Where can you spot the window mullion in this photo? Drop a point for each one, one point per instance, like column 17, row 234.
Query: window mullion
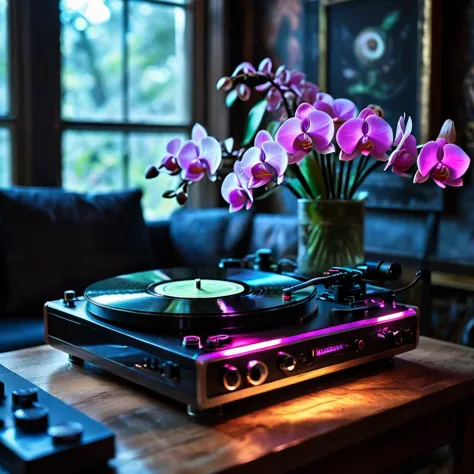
column 125, row 90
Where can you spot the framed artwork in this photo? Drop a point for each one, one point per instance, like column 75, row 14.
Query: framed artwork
column 380, row 52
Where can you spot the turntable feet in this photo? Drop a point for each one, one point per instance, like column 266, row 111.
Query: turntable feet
column 75, row 360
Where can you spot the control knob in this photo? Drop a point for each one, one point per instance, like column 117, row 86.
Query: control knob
column 31, row 420
column 394, row 338
column 66, row 433
column 69, row 297
column 286, row 362
column 231, row 378
column 25, row 397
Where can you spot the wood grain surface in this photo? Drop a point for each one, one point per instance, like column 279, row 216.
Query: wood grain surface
column 285, row 430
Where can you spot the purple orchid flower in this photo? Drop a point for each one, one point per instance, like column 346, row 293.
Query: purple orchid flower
column 340, row 110
column 235, row 190
column 170, row 161
column 244, row 68
column 442, row 160
column 405, row 153
column 199, row 156
column 309, row 128
column 309, row 92
column 368, row 134
column 265, row 161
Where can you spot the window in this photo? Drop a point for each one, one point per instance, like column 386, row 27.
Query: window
column 5, row 114
column 125, row 76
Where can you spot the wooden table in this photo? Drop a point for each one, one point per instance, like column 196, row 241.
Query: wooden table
column 364, row 420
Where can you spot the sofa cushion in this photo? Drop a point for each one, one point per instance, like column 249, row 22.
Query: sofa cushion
column 203, row 237
column 55, row 240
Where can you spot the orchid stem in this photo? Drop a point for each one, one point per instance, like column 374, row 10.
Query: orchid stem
column 339, row 181
column 325, row 177
column 365, row 175
column 330, row 176
column 346, row 182
column 299, row 175
column 360, row 167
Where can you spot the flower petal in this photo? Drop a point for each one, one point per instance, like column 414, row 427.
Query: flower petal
column 245, row 68
column 320, row 129
column 400, row 130
column 251, row 157
column 323, row 97
column 325, row 151
column 349, row 134
column 287, row 134
column 410, row 146
column 265, row 66
column 392, row 158
column 262, row 137
column 198, row 132
column 275, row 156
column 428, row 158
column 296, row 158
column 441, row 184
column 261, row 175
column 211, row 153
column 419, row 178
column 348, row 156
column 345, row 109
column 188, row 153
column 237, row 200
column 367, row 112
column 456, row 159
column 274, row 99
column 303, row 111
column 324, row 107
column 173, row 146
column 380, row 133
column 457, row 183
column 230, row 182
column 400, row 172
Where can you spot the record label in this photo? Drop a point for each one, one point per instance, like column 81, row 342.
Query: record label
column 198, row 288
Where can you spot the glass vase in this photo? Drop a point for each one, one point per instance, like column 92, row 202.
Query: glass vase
column 330, row 234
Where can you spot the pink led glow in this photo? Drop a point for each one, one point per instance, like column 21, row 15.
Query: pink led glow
column 309, row 335
column 251, row 347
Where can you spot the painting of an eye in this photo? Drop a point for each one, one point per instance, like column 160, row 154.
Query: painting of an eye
column 370, row 45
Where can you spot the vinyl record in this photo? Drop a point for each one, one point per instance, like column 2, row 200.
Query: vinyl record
column 190, row 300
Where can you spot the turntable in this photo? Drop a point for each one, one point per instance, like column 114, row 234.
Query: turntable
column 207, row 337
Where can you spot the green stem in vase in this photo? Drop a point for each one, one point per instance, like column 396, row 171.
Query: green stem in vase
column 325, row 176
column 329, row 168
column 364, row 176
column 339, row 181
column 347, row 179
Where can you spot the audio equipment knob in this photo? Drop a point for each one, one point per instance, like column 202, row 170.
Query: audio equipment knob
column 66, row 433
column 231, row 378
column 69, row 297
column 286, row 362
column 31, row 420
column 191, row 341
column 218, row 341
column 25, row 397
column 394, row 338
column 359, row 344
column 257, row 372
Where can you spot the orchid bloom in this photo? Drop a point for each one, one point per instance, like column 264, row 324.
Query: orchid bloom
column 265, row 161
column 340, row 110
column 235, row 190
column 367, row 134
column 405, row 153
column 199, row 156
column 442, row 160
column 309, row 127
column 244, row 68
column 309, row 92
column 170, row 161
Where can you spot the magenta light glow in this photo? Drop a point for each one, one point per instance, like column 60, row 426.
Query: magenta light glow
column 251, row 347
column 329, row 349
column 309, row 335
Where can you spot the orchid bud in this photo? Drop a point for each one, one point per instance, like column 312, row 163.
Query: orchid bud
column 448, row 131
column 224, row 84
column 151, row 172
column 181, row 197
column 377, row 109
column 243, row 91
column 171, row 164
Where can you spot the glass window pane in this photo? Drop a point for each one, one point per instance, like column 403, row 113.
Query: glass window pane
column 92, row 161
column 5, row 157
column 91, row 48
column 159, row 64
column 3, row 58
column 147, row 149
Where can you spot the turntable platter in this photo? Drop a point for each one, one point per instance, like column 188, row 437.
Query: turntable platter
column 199, row 300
